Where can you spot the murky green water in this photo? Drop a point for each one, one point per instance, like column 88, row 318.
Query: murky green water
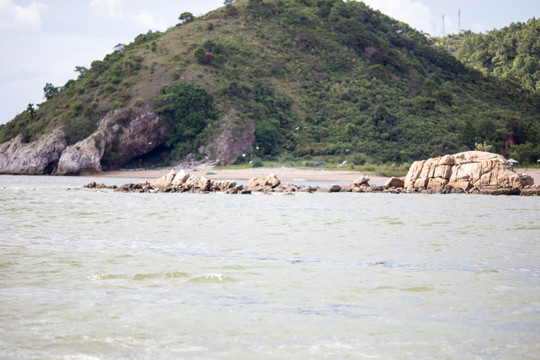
column 86, row 274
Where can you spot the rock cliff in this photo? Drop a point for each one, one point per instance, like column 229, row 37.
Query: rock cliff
column 119, row 143
column 120, row 137
column 467, row 170
column 39, row 157
column 237, row 136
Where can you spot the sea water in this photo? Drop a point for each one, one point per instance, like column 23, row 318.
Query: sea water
column 88, row 274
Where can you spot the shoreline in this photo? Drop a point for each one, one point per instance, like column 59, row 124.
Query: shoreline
column 283, row 173
column 288, row 174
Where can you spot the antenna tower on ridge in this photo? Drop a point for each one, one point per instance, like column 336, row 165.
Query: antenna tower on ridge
column 459, row 20
column 443, row 25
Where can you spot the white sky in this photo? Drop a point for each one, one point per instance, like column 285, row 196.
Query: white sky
column 43, row 40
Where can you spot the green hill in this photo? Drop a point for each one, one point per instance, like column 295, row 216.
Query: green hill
column 309, row 77
column 512, row 52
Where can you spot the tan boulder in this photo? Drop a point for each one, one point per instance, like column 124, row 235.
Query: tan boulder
column 466, row 170
column 204, row 184
column 436, row 183
column 363, row 181
column 164, row 180
column 272, row 180
column 447, row 160
column 443, row 171
column 254, row 182
column 394, row 182
column 180, row 178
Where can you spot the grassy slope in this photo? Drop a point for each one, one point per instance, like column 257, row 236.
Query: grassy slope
column 329, row 78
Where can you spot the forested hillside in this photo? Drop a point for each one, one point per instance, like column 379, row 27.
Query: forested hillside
column 511, row 54
column 308, row 77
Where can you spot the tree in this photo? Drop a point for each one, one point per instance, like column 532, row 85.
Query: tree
column 186, row 17
column 119, row 47
column 200, row 55
column 227, row 2
column 267, row 135
column 49, row 91
column 81, row 69
column 188, row 107
column 30, row 110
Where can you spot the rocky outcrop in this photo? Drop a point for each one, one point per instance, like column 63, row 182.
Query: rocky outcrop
column 271, row 182
column 36, row 158
column 83, row 157
column 182, row 181
column 118, row 139
column 236, row 138
column 114, row 143
column 466, row 171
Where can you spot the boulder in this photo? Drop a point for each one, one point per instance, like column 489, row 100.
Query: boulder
column 467, row 170
column 500, row 191
column 363, row 181
column 35, row 158
column 256, row 182
column 164, row 180
column 83, row 157
column 394, row 182
column 531, row 191
column 180, row 178
column 272, row 181
column 204, row 184
column 334, row 188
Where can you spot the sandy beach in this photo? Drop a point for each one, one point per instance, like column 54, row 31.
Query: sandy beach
column 283, row 173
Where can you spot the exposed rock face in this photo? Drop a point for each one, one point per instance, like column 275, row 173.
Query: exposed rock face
column 83, row 157
column 35, row 158
column 143, row 134
column 236, row 137
column 113, row 143
column 140, row 136
column 472, row 169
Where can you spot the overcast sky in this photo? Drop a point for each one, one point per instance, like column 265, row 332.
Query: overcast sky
column 43, row 40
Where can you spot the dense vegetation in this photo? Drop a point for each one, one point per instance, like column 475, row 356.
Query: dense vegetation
column 188, row 107
column 317, row 77
column 511, row 54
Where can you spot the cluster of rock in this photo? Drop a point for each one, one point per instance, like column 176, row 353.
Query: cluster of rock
column 181, row 181
column 469, row 172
